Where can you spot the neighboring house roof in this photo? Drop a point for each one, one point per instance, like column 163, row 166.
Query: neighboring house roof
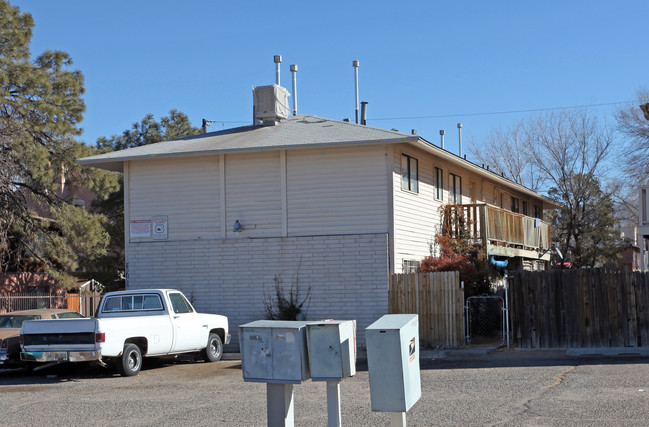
column 295, row 132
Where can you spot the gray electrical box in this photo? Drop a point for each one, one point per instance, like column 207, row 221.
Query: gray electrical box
column 274, row 351
column 332, row 349
column 393, row 362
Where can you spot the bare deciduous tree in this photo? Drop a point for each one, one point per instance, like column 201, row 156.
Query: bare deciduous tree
column 568, row 143
column 506, row 152
column 632, row 123
column 542, row 151
column 560, row 154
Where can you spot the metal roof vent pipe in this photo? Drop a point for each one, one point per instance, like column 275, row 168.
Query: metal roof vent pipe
column 459, row 130
column 355, row 65
column 364, row 113
column 278, row 60
column 441, row 135
column 294, row 73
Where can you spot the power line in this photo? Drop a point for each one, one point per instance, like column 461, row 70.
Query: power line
column 487, row 113
column 493, row 113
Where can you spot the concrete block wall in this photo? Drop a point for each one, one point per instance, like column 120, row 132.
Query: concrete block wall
column 347, row 275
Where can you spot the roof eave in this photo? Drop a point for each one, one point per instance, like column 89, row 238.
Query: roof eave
column 453, row 158
column 117, row 163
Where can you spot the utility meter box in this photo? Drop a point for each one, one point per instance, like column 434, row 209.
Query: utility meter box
column 274, row 351
column 332, row 349
column 393, row 362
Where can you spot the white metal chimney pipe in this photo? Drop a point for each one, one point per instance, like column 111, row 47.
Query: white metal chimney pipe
column 355, row 65
column 441, row 134
column 294, row 73
column 278, row 60
column 459, row 130
column 364, row 113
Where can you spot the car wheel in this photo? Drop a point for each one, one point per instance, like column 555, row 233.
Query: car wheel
column 131, row 361
column 214, row 350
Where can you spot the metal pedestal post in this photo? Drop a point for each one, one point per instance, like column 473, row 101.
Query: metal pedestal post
column 333, row 404
column 279, row 405
column 397, row 419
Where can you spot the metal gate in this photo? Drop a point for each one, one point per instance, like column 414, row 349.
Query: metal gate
column 485, row 321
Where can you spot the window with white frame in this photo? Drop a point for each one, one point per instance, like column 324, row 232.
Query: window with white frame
column 439, row 183
column 410, row 266
column 409, row 173
column 454, row 189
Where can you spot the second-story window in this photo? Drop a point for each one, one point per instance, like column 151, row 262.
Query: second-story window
column 515, row 205
column 525, row 208
column 409, row 173
column 537, row 212
column 454, row 189
column 439, row 183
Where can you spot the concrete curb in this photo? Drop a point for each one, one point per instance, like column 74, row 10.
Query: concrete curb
column 427, row 354
column 608, row 351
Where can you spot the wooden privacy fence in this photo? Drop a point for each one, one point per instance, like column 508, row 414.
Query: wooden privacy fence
column 438, row 300
column 579, row 308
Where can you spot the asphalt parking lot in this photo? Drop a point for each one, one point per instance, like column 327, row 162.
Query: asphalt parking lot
column 508, row 388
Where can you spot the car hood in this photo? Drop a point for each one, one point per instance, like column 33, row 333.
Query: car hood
column 9, row 332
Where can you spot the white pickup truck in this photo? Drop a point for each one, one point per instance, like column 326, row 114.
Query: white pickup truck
column 129, row 325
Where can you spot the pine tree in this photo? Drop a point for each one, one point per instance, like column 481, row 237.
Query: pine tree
column 41, row 107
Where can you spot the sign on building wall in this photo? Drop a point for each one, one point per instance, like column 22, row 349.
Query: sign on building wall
column 160, row 227
column 139, row 228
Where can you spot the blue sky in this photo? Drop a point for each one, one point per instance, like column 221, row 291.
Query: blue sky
column 417, row 58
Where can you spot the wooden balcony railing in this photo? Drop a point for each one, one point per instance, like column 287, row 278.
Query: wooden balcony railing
column 500, row 231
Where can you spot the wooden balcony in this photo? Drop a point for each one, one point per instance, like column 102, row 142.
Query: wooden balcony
column 500, row 231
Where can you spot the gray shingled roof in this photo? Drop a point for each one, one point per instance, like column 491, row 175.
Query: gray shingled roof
column 297, row 131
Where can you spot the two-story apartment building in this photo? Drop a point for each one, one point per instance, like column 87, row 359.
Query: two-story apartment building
column 332, row 206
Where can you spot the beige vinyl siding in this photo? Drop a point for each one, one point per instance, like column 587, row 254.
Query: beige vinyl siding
column 416, row 215
column 337, row 191
column 183, row 189
column 489, row 193
column 253, row 194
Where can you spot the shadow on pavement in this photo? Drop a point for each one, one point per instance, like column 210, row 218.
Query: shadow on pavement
column 503, row 358
column 71, row 372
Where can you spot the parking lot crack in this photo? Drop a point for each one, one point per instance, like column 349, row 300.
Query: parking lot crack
column 523, row 406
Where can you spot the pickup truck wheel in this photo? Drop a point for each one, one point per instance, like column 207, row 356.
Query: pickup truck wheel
column 131, row 361
column 214, row 350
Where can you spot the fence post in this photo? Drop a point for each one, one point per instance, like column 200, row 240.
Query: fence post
column 507, row 308
column 466, row 315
